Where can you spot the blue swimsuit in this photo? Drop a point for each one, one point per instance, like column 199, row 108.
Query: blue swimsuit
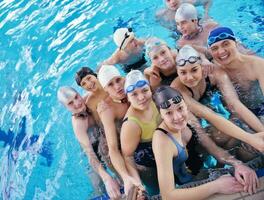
column 179, row 167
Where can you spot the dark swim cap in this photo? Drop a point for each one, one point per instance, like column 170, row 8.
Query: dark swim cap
column 84, row 71
column 164, row 96
column 220, row 33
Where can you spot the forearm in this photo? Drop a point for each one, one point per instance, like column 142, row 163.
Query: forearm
column 199, row 192
column 118, row 163
column 247, row 116
column 131, row 167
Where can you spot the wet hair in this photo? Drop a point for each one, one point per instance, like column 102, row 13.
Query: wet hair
column 163, row 94
column 84, row 71
column 64, row 93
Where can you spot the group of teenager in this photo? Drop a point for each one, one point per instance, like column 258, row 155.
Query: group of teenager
column 175, row 109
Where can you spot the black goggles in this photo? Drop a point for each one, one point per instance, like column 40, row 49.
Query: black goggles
column 126, row 36
column 167, row 104
column 191, row 60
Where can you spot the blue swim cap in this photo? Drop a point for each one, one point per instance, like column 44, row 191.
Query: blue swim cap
column 220, row 33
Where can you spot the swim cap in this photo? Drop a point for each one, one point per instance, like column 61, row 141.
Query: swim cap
column 220, row 33
column 164, row 96
column 65, row 93
column 153, row 44
column 187, row 54
column 84, row 71
column 122, row 36
column 106, row 73
column 135, row 79
column 186, row 11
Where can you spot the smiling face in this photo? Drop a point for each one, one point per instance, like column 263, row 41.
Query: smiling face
column 115, row 88
column 162, row 58
column 172, row 4
column 175, row 117
column 140, row 98
column 75, row 103
column 224, row 51
column 90, row 83
column 187, row 27
column 190, row 74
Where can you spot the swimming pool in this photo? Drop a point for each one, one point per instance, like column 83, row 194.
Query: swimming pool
column 43, row 43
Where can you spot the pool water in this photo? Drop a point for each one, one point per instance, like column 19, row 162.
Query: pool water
column 43, row 43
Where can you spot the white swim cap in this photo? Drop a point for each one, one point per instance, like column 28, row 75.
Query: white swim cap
column 185, row 53
column 106, row 73
column 186, row 11
column 135, row 79
column 122, row 36
column 153, row 44
column 65, row 93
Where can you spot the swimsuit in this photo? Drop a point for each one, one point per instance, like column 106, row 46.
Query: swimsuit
column 128, row 67
column 167, row 80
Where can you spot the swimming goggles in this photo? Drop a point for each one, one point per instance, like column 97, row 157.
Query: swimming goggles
column 126, row 36
column 191, row 60
column 219, row 37
column 167, row 104
column 138, row 84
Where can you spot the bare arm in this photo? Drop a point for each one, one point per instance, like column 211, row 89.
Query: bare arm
column 153, row 76
column 233, row 102
column 130, row 138
column 108, row 121
column 219, row 122
column 166, row 177
column 260, row 73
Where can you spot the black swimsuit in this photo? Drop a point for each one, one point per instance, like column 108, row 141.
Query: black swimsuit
column 136, row 65
column 167, row 80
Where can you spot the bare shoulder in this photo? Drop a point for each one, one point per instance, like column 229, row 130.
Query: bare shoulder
column 160, row 13
column 176, row 84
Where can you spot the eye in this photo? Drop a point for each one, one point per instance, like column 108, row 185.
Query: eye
column 182, row 72
column 145, row 90
column 76, row 96
column 154, row 57
column 110, row 84
column 225, row 43
column 168, row 113
column 195, row 69
column 162, row 52
column 214, row 49
column 70, row 103
column 118, row 80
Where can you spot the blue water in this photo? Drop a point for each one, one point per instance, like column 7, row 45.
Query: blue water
column 42, row 44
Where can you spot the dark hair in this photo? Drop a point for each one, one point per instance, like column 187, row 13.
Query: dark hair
column 84, row 71
column 164, row 93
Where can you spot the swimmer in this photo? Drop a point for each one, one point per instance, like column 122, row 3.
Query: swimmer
column 173, row 135
column 130, row 51
column 81, row 121
column 111, row 112
column 166, row 15
column 245, row 71
column 87, row 79
column 193, row 33
column 140, row 122
column 163, row 66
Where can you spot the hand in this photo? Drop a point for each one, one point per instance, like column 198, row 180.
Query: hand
column 247, row 177
column 257, row 141
column 112, row 188
column 228, row 185
column 130, row 182
column 208, row 67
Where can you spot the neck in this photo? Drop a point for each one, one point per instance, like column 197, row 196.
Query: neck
column 169, row 71
column 124, row 100
column 195, row 33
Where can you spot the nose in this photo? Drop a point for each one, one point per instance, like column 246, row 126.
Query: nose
column 189, row 77
column 177, row 116
column 221, row 50
column 141, row 97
